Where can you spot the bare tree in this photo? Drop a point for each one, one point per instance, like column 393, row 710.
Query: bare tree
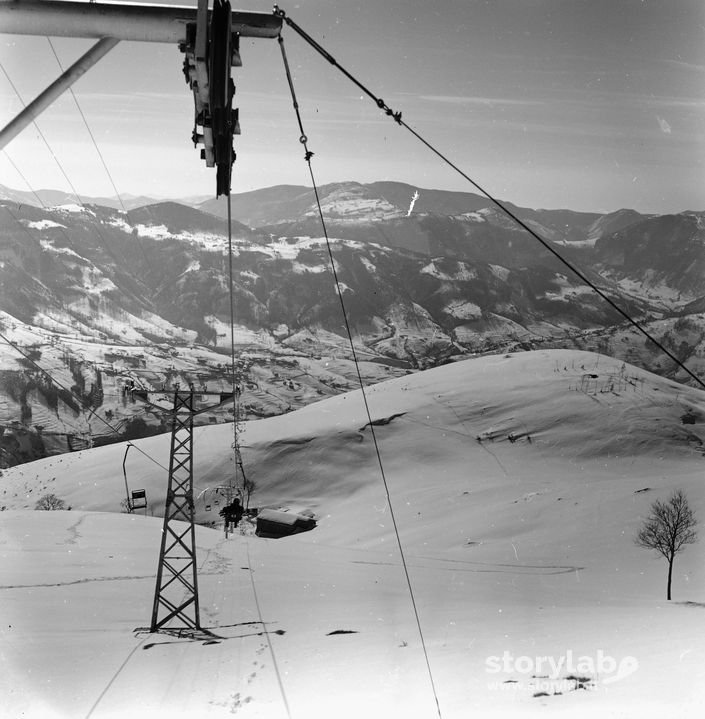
column 668, row 528
column 248, row 486
column 50, row 502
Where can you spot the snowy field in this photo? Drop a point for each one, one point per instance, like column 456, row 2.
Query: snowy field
column 518, row 483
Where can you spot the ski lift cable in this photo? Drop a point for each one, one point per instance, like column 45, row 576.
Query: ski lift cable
column 114, row 430
column 90, row 133
column 100, row 155
column 83, row 403
column 307, row 157
column 115, row 675
column 61, row 229
column 74, row 191
column 235, row 380
column 23, row 227
column 128, row 658
column 24, row 179
column 266, row 634
column 397, row 117
column 41, row 134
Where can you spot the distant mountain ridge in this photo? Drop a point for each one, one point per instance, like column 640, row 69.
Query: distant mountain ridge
column 105, row 297
column 52, row 198
column 287, row 203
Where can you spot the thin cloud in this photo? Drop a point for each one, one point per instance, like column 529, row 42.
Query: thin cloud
column 674, row 102
column 473, row 100
column 686, row 65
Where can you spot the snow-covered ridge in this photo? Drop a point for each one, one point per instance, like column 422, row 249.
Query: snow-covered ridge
column 518, row 483
column 353, row 205
column 71, row 208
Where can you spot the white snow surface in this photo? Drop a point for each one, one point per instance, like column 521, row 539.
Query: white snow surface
column 73, row 208
column 462, row 273
column 473, row 216
column 567, row 290
column 121, row 223
column 243, row 336
column 501, row 273
column 463, row 310
column 369, row 266
column 517, row 490
column 346, row 205
column 207, row 240
column 299, row 268
column 590, row 242
column 42, row 224
column 156, row 232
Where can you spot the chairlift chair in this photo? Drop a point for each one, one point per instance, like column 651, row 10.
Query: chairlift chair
column 138, row 500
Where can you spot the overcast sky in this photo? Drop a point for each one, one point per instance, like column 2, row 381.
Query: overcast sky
column 591, row 105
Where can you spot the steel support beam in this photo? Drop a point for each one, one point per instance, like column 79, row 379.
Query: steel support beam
column 140, row 23
column 110, row 24
column 42, row 101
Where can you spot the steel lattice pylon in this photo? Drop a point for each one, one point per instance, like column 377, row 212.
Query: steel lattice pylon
column 176, row 593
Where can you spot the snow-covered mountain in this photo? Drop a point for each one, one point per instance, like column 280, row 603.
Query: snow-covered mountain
column 662, row 254
column 518, row 483
column 101, row 299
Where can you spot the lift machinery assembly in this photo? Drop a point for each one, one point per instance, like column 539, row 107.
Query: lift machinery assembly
column 209, row 39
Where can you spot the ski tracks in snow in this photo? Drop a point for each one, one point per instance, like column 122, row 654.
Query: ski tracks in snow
column 480, row 567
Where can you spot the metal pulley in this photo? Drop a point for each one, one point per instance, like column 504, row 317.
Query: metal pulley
column 211, row 51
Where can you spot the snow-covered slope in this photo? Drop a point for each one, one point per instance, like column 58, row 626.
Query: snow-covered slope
column 517, row 484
